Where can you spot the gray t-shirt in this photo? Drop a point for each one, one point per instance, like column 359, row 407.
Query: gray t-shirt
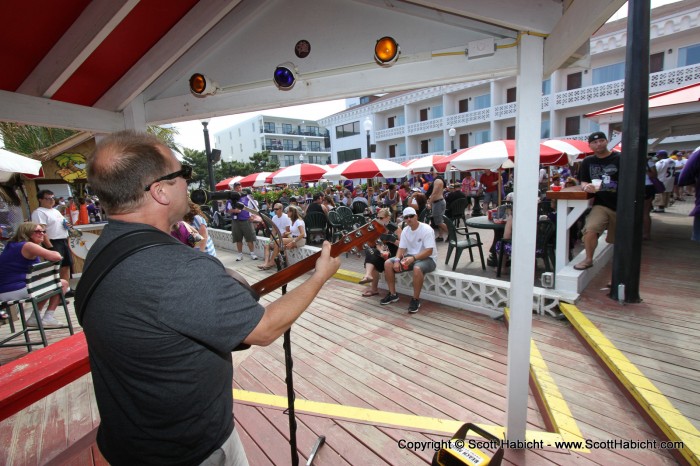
column 160, row 330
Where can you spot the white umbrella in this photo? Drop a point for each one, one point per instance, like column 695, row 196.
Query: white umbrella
column 299, row 173
column 254, row 180
column 424, row 164
column 11, row 163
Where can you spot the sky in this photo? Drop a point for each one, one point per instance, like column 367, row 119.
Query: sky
column 191, row 132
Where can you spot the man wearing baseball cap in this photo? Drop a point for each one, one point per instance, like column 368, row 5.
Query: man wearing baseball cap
column 240, row 224
column 599, row 175
column 417, row 253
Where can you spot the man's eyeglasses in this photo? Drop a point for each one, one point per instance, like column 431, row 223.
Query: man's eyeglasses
column 278, row 208
column 47, row 198
column 41, row 232
column 408, row 216
column 185, row 172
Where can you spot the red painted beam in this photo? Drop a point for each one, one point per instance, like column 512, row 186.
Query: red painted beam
column 42, row 372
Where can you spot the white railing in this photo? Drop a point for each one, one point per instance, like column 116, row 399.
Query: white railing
column 425, row 126
column 669, row 79
column 503, row 111
column 390, row 133
column 469, row 118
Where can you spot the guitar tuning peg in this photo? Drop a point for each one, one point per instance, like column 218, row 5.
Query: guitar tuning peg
column 346, row 239
column 370, row 227
column 358, row 234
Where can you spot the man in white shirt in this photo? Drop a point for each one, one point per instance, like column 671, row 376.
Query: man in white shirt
column 417, row 253
column 666, row 168
column 281, row 220
column 56, row 237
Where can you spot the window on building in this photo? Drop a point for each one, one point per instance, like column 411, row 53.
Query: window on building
column 252, row 127
column 239, row 132
column 391, row 122
column 348, row 129
column 544, row 129
column 481, row 137
column 424, row 146
column 436, row 111
column 482, row 101
column 230, row 136
column 438, row 145
column 463, row 141
column 546, row 87
column 656, row 62
column 392, row 151
column 347, row 155
column 255, row 144
column 574, row 81
column 287, row 128
column 241, row 146
column 463, row 106
column 315, row 146
column 510, row 132
column 287, row 144
column 511, row 95
column 423, row 114
column 606, row 74
column 573, row 126
column 400, row 120
column 274, row 158
column 689, row 55
column 269, row 127
column 288, row 160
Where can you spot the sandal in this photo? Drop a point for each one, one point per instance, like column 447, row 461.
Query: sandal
column 364, row 281
column 370, row 293
column 582, row 266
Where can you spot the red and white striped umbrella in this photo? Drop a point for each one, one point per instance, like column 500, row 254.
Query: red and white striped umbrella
column 573, row 148
column 254, row 180
column 424, row 164
column 367, row 168
column 223, row 185
column 298, row 173
column 493, row 154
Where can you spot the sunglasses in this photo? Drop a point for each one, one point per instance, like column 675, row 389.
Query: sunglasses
column 41, row 232
column 408, row 216
column 279, row 208
column 185, row 172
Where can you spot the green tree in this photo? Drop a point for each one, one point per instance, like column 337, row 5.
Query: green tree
column 167, row 135
column 198, row 161
column 28, row 140
column 260, row 162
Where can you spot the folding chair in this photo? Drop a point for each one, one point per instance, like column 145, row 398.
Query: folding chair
column 43, row 282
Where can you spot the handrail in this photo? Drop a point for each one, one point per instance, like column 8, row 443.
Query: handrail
column 40, row 373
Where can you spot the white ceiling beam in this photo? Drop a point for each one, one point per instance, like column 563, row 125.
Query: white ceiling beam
column 39, row 111
column 358, row 80
column 522, row 15
column 205, row 15
column 580, row 21
column 95, row 23
column 211, row 41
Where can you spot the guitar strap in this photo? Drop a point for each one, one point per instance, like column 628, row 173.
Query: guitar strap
column 114, row 253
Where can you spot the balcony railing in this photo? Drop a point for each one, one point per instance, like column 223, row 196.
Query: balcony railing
column 469, row 118
column 435, row 124
column 501, row 112
column 390, row 133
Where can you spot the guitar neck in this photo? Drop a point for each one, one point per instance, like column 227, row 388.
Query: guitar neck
column 366, row 233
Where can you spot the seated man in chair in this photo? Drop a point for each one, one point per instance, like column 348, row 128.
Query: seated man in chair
column 417, row 253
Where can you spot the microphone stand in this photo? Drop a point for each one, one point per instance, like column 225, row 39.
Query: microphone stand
column 281, row 262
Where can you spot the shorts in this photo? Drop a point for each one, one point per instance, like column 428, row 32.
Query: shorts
column 231, row 453
column 374, row 257
column 242, row 229
column 438, row 211
column 425, row 265
column 61, row 247
column 649, row 191
column 600, row 219
column 298, row 243
column 14, row 295
column 491, row 197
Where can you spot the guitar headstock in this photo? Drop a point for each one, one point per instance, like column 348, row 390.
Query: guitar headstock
column 368, row 232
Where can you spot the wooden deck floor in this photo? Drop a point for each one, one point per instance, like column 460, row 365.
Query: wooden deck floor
column 442, row 363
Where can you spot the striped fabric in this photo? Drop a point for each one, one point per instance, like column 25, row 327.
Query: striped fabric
column 196, row 223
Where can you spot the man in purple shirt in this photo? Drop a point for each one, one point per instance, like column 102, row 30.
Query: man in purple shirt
column 690, row 175
column 241, row 226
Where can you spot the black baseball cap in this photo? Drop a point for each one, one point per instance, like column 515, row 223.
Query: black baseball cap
column 597, row 135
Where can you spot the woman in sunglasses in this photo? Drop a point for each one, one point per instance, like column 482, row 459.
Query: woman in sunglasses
column 376, row 255
column 22, row 251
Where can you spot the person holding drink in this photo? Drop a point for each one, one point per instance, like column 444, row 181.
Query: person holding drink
column 599, row 174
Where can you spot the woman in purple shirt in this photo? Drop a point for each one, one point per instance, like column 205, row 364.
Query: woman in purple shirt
column 23, row 250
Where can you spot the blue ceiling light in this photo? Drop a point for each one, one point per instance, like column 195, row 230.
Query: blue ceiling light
column 285, row 76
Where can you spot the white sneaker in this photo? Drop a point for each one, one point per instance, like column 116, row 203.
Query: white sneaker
column 253, row 256
column 239, row 258
column 31, row 321
column 50, row 322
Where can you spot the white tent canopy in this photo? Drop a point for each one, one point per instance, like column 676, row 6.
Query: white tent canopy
column 11, row 163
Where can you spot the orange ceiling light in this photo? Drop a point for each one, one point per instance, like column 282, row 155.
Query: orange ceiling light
column 386, row 51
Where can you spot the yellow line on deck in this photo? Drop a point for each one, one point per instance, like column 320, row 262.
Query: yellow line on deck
column 373, row 416
column 348, row 275
column 674, row 425
column 556, row 406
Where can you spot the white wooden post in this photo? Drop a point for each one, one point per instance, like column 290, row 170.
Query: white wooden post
column 528, row 121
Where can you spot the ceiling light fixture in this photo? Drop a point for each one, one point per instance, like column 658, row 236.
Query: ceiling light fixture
column 201, row 85
column 285, row 76
column 386, row 51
